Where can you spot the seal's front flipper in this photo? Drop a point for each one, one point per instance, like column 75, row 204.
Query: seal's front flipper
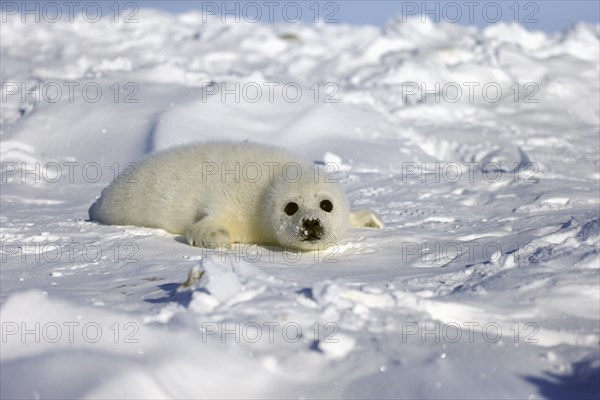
column 206, row 233
column 365, row 218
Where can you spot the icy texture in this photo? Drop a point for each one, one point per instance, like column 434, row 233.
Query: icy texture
column 378, row 317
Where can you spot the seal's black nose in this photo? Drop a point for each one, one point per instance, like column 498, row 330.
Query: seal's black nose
column 312, row 229
column 311, row 224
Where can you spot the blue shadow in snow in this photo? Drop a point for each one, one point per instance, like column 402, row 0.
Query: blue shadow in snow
column 173, row 295
column 583, row 383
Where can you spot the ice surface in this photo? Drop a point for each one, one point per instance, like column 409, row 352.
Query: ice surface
column 483, row 285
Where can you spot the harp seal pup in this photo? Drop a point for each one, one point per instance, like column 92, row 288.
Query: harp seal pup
column 219, row 193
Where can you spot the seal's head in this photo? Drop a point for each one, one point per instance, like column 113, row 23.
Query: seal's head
column 309, row 213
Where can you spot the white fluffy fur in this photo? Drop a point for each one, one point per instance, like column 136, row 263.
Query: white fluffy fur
column 221, row 193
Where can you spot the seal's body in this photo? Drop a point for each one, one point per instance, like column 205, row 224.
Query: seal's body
column 221, row 193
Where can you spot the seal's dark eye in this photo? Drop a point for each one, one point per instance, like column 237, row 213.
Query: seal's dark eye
column 326, row 206
column 291, row 208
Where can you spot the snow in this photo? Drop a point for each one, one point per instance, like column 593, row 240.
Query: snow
column 485, row 282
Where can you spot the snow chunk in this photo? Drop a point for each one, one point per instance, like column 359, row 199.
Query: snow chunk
column 588, row 230
column 337, row 347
